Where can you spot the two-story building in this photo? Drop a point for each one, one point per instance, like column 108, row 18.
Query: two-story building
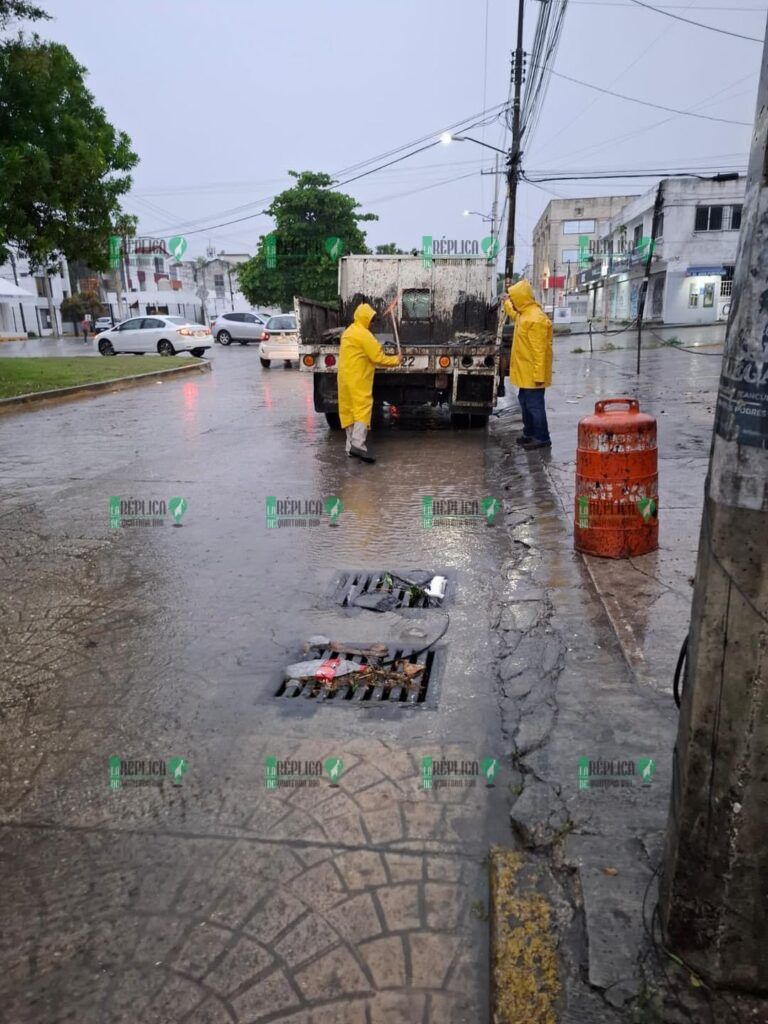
column 692, row 257
column 25, row 306
column 558, row 241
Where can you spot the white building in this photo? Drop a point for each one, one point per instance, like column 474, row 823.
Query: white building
column 215, row 279
column 693, row 255
column 22, row 315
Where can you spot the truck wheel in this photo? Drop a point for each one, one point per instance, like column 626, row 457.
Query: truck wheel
column 333, row 420
column 460, row 420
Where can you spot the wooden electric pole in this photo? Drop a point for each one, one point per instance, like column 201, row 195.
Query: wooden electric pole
column 515, row 152
column 713, row 902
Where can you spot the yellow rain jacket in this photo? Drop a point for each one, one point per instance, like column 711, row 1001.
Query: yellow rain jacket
column 531, row 363
column 359, row 356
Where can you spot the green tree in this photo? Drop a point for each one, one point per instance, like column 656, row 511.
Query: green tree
column 63, row 166
column 313, row 227
column 74, row 307
column 389, row 249
column 11, row 10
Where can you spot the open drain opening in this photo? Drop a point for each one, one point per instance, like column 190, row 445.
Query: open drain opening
column 383, row 591
column 399, row 677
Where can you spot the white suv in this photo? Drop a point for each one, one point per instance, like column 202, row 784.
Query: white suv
column 280, row 340
column 242, row 327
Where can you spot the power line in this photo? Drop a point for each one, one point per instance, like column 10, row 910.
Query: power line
column 461, row 125
column 647, row 103
column 600, row 176
column 698, row 24
column 669, row 7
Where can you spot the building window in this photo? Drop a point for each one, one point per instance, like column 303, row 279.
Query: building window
column 710, row 218
column 657, row 295
column 578, row 227
column 40, row 286
column 660, row 226
column 571, row 255
column 709, row 294
column 637, row 235
column 416, row 304
column 735, row 219
column 726, row 289
column 693, row 296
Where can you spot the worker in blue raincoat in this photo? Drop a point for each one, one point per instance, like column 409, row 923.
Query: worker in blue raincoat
column 359, row 356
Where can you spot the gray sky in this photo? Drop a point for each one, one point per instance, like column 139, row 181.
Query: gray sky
column 221, row 97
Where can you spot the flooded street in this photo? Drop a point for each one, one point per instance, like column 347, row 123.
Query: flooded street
column 306, row 865
column 219, row 897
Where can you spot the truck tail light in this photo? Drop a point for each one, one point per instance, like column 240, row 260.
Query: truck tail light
column 444, row 362
column 466, row 361
column 488, row 361
column 309, row 360
column 330, row 360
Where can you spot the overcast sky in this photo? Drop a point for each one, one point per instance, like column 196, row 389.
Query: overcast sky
column 222, row 97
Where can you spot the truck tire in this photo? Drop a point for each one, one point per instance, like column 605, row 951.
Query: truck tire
column 333, row 420
column 460, row 420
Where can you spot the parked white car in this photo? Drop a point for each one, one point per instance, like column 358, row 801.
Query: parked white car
column 280, row 340
column 164, row 335
column 242, row 327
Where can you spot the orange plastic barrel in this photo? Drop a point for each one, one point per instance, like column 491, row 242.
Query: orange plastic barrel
column 617, row 483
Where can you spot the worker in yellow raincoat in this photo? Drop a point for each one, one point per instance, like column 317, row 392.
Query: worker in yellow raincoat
column 359, row 356
column 530, row 369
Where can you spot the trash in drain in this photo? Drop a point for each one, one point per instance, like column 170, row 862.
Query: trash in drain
column 385, row 591
column 371, row 673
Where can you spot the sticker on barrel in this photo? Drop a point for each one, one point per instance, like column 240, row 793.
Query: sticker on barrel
column 583, row 513
column 647, row 509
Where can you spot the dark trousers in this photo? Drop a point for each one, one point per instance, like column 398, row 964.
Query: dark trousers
column 534, row 413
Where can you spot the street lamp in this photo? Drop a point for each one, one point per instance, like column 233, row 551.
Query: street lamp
column 446, row 137
column 474, row 213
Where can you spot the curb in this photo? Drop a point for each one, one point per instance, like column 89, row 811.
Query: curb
column 115, row 384
column 524, row 983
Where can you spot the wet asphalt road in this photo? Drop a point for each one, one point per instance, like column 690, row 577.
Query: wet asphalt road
column 218, row 900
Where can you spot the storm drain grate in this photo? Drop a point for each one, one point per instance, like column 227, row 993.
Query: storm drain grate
column 400, row 677
column 385, row 591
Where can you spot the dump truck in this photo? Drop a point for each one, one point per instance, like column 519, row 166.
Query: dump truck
column 448, row 326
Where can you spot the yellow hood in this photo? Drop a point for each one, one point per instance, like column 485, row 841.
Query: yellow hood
column 521, row 294
column 364, row 314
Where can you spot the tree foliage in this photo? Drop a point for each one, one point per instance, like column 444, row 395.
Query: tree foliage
column 63, row 166
column 74, row 307
column 389, row 249
column 11, row 10
column 313, row 227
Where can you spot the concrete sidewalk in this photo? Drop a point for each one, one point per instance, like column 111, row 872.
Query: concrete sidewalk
column 587, row 650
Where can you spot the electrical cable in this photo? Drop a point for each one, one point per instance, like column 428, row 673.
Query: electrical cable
column 698, row 24
column 681, row 660
column 462, row 125
column 648, row 103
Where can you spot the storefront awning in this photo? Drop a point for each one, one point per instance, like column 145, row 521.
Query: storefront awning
column 705, row 272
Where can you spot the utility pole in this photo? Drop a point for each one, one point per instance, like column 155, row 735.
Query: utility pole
column 515, row 152
column 712, row 895
column 658, row 207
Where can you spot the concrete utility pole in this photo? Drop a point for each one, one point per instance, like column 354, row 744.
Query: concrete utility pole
column 515, row 153
column 713, row 901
